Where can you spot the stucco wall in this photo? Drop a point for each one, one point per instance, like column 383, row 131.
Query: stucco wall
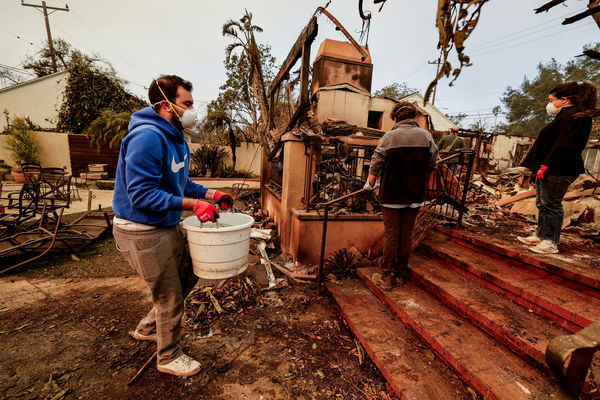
column 248, row 156
column 505, row 146
column 53, row 150
column 39, row 99
column 385, row 106
column 343, row 105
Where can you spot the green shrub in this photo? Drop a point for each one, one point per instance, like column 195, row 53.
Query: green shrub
column 209, row 158
column 21, row 144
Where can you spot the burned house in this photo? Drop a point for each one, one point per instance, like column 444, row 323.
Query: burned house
column 330, row 159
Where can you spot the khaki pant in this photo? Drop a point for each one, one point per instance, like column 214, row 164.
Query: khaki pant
column 161, row 257
column 397, row 244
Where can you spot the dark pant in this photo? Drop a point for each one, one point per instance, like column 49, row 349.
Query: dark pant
column 549, row 195
column 399, row 224
column 161, row 258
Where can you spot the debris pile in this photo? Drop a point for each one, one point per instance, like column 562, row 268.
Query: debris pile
column 511, row 194
column 229, row 297
column 262, row 220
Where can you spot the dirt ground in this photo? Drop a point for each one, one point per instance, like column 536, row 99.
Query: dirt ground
column 64, row 323
column 63, row 334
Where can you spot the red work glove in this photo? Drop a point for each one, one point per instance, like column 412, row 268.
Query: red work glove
column 205, row 211
column 540, row 173
column 224, row 200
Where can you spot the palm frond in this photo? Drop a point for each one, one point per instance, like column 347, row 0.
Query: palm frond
column 229, row 28
column 229, row 49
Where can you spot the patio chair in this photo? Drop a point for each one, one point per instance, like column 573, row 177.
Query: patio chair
column 21, row 206
column 55, row 190
column 31, row 171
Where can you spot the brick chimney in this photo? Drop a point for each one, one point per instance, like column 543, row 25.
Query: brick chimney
column 340, row 63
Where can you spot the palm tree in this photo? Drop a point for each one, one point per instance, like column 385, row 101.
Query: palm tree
column 242, row 33
column 109, row 128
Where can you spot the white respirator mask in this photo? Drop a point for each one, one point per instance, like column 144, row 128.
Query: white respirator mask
column 551, row 109
column 189, row 118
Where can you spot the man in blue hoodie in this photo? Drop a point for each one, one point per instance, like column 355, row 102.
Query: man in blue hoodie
column 152, row 189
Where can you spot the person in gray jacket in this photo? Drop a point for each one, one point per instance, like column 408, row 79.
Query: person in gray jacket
column 404, row 158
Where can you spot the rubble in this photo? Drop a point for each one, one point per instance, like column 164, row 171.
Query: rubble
column 232, row 296
column 496, row 197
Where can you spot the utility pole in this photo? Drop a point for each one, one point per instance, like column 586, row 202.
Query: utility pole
column 437, row 71
column 46, row 8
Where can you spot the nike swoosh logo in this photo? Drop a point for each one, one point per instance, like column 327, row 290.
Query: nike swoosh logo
column 175, row 167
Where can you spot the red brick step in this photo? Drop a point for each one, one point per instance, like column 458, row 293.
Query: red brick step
column 524, row 332
column 566, row 266
column 568, row 303
column 490, row 369
column 398, row 353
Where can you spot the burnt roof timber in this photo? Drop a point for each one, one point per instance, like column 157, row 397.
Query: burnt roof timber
column 306, row 37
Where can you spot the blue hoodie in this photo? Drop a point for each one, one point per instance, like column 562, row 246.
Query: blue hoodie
column 152, row 172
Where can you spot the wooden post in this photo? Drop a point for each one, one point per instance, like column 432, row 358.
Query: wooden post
column 304, row 71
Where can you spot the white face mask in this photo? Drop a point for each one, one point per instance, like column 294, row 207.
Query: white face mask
column 551, row 109
column 189, row 118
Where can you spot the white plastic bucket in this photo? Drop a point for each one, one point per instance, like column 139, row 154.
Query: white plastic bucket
column 219, row 253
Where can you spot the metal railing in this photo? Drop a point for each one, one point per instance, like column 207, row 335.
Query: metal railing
column 333, row 170
column 448, row 188
column 449, row 184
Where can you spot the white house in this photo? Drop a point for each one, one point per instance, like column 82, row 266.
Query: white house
column 39, row 99
column 440, row 122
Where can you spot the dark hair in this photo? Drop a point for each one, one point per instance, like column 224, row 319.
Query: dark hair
column 169, row 85
column 584, row 95
column 404, row 110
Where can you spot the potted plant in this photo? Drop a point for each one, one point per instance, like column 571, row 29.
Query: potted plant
column 21, row 146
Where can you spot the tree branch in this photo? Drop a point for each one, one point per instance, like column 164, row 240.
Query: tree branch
column 581, row 16
column 549, row 5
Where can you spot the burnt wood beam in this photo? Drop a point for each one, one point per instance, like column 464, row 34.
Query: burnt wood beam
column 306, row 37
column 581, row 16
column 304, row 72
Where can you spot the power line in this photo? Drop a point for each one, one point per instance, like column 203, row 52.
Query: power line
column 490, row 44
column 501, row 38
column 104, row 41
column 15, row 69
column 533, row 40
column 20, row 38
column 46, row 8
column 471, row 95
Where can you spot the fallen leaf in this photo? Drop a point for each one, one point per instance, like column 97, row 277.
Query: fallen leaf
column 472, row 392
column 215, row 303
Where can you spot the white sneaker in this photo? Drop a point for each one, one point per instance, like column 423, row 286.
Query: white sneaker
column 181, row 366
column 530, row 240
column 545, row 247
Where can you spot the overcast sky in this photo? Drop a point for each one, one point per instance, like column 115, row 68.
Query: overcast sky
column 143, row 39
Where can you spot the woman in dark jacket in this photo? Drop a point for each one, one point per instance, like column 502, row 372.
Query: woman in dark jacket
column 556, row 160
